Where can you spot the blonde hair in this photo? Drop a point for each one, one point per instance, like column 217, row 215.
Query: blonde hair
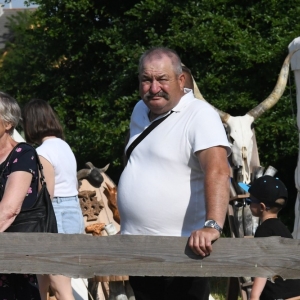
column 10, row 111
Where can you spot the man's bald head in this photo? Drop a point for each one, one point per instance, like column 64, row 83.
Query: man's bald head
column 158, row 53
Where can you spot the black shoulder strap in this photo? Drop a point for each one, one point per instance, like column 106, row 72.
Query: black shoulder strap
column 144, row 134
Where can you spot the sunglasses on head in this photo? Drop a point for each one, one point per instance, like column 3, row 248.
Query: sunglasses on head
column 252, row 199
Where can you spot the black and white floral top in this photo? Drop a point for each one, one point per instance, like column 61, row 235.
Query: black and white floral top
column 20, row 286
column 22, row 159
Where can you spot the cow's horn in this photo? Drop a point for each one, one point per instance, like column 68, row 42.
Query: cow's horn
column 105, row 168
column 89, row 165
column 224, row 116
column 277, row 92
column 83, row 173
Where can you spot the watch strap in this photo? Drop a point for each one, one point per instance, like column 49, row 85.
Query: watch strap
column 213, row 224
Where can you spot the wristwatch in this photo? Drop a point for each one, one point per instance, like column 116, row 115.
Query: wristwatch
column 213, row 224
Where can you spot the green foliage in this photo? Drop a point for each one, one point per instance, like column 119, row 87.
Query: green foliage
column 82, row 57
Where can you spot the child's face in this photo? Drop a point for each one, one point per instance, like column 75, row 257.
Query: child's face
column 255, row 209
column 255, row 206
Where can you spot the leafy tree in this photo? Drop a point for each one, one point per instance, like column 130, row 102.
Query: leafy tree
column 82, row 56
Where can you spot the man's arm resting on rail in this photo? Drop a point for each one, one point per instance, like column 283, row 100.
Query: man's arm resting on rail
column 214, row 164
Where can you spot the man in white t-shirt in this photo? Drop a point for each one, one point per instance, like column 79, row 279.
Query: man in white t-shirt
column 176, row 181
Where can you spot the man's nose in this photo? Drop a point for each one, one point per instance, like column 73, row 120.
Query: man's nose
column 155, row 87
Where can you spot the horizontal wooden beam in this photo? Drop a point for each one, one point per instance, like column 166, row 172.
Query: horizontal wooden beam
column 85, row 256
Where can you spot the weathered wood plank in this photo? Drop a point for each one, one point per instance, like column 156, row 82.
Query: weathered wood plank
column 85, row 256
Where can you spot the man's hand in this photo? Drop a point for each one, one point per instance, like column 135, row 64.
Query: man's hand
column 201, row 240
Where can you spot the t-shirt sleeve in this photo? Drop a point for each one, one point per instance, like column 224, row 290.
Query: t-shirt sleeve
column 23, row 159
column 206, row 130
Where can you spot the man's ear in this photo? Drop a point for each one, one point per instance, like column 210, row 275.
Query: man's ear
column 181, row 79
column 262, row 206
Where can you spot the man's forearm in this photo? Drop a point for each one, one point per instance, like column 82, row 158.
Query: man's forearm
column 217, row 185
column 214, row 164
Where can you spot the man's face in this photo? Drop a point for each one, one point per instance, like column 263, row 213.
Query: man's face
column 160, row 88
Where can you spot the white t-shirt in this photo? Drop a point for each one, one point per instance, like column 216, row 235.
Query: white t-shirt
column 161, row 190
column 62, row 158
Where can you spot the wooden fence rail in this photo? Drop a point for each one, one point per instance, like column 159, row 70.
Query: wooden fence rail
column 84, row 256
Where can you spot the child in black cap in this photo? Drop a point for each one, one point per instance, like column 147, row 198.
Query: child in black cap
column 268, row 195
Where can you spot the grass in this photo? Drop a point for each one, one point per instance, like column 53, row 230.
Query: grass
column 218, row 288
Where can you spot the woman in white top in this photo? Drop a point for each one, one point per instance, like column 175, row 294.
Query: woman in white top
column 42, row 127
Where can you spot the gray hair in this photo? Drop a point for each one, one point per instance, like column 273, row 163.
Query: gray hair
column 159, row 52
column 10, row 111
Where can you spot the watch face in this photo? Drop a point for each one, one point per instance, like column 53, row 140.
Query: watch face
column 210, row 223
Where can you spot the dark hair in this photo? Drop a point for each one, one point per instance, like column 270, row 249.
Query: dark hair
column 158, row 52
column 39, row 121
column 10, row 111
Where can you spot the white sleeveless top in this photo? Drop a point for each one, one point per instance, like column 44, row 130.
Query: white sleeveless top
column 62, row 158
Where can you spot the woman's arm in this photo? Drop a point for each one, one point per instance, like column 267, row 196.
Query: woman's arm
column 16, row 189
column 49, row 175
column 257, row 288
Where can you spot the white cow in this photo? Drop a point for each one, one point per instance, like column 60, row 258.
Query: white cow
column 244, row 149
column 246, row 161
column 239, row 128
column 295, row 66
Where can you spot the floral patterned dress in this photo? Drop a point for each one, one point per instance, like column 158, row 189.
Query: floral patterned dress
column 20, row 286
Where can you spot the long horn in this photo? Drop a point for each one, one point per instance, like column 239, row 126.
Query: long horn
column 197, row 92
column 223, row 115
column 89, row 165
column 277, row 92
column 83, row 173
column 104, row 169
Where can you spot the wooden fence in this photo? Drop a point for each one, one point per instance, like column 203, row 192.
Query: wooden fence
column 84, row 256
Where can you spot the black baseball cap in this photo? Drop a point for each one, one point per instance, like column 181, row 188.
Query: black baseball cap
column 267, row 189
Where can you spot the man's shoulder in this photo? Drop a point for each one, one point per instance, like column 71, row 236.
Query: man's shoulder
column 197, row 106
column 203, row 104
column 195, row 102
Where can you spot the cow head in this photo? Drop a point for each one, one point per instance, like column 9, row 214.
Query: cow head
column 92, row 174
column 239, row 128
